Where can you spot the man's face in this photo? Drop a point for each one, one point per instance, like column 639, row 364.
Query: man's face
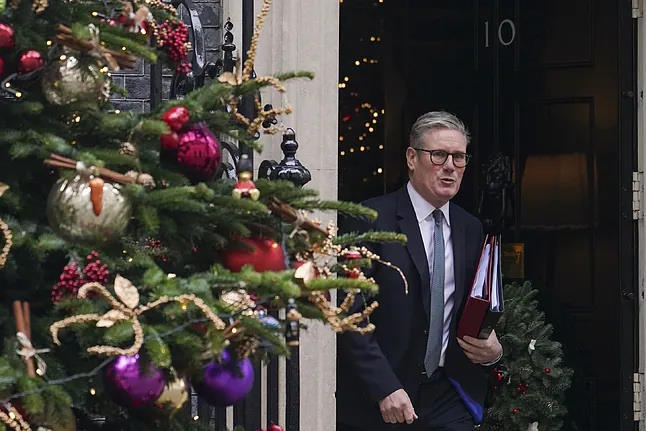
column 437, row 183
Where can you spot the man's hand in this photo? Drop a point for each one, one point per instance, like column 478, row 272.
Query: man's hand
column 481, row 351
column 397, row 408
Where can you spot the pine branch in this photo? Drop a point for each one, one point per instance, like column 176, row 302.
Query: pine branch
column 367, row 237
column 349, row 208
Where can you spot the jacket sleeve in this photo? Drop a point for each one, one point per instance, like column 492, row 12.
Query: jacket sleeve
column 367, row 360
column 362, row 352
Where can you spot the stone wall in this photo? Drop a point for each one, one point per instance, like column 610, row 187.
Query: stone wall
column 137, row 81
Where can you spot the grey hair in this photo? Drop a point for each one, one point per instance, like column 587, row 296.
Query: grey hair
column 435, row 120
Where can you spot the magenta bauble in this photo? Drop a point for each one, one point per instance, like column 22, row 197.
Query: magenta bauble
column 29, row 61
column 6, row 36
column 226, row 381
column 198, row 152
column 131, row 384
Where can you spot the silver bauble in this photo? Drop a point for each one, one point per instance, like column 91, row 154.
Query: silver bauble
column 65, row 81
column 70, row 213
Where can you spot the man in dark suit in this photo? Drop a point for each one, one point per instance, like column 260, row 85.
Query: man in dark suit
column 412, row 372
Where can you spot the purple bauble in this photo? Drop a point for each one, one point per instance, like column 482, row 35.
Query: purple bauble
column 131, row 386
column 227, row 381
column 198, row 152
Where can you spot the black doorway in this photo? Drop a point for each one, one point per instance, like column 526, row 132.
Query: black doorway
column 551, row 85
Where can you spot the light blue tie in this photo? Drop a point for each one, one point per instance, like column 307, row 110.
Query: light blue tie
column 436, row 320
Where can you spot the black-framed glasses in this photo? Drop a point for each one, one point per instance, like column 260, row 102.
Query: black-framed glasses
column 439, row 157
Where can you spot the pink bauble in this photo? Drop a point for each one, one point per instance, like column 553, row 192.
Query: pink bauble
column 198, row 152
column 132, row 385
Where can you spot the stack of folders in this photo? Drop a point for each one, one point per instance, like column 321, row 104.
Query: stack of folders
column 484, row 305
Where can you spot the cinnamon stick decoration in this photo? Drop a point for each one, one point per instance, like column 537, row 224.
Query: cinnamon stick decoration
column 58, row 161
column 291, row 215
column 26, row 317
column 66, row 37
column 19, row 317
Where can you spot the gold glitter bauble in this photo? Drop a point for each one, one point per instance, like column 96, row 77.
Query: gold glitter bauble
column 65, row 81
column 175, row 394
column 70, row 213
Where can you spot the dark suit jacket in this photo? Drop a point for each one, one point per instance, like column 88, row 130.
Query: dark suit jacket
column 370, row 367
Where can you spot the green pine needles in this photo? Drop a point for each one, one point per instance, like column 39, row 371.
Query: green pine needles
column 530, row 382
column 166, row 231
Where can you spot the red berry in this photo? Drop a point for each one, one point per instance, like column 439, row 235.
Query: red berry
column 547, row 370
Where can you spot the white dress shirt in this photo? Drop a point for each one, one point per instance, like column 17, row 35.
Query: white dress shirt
column 424, row 213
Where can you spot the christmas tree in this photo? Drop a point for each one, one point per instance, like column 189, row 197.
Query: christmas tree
column 130, row 269
column 529, row 383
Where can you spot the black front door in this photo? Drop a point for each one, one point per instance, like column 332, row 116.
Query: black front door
column 550, row 84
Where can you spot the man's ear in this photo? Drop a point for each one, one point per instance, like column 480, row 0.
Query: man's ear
column 411, row 154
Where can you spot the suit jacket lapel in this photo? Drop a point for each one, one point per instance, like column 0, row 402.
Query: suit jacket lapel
column 458, row 236
column 415, row 246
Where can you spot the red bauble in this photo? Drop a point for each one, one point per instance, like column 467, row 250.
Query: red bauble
column 547, row 370
column 354, row 273
column 29, row 61
column 6, row 36
column 274, row 427
column 169, row 141
column 352, row 255
column 176, row 117
column 1, row 66
column 265, row 255
column 515, row 410
column 349, row 256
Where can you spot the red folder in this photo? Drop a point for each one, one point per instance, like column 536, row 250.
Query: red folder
column 478, row 316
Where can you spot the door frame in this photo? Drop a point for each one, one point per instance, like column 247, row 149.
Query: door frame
column 632, row 238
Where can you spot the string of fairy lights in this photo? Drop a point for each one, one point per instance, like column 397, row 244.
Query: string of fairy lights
column 361, row 112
